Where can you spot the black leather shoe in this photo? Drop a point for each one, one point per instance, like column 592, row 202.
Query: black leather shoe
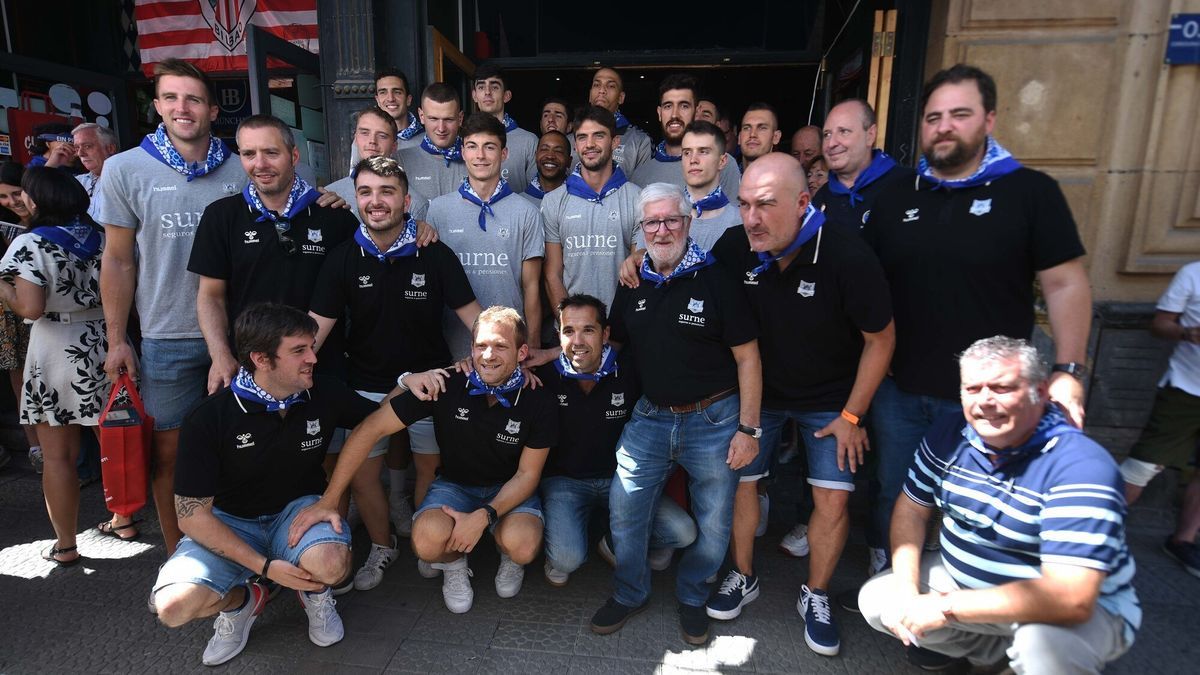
column 693, row 622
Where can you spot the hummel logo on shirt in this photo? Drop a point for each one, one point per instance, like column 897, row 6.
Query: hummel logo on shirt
column 911, row 215
column 251, row 237
column 245, row 441
column 365, row 281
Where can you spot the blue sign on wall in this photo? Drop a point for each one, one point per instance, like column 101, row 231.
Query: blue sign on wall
column 1183, row 40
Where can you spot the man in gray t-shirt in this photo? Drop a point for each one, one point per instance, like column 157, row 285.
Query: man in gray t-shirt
column 490, row 93
column 375, row 136
column 392, row 95
column 435, row 167
column 635, row 148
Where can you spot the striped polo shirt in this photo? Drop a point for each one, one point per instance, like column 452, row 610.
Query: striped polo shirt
column 1057, row 499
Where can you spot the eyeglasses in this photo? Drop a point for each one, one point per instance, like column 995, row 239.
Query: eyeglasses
column 282, row 228
column 672, row 223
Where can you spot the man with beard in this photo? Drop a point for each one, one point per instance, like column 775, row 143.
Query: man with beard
column 961, row 248
column 635, row 147
column 806, row 144
column 553, row 154
column 676, row 110
column 556, row 116
column 590, row 220
column 393, row 96
column 759, row 132
column 435, row 166
column 375, row 136
column 491, row 93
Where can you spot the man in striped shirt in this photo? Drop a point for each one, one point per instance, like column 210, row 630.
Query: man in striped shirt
column 1033, row 562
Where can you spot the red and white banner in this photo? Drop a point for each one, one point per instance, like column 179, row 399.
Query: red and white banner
column 212, row 33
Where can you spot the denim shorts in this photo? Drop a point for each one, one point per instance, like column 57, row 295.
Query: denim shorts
column 340, row 435
column 194, row 564
column 468, row 498
column 174, row 378
column 823, row 471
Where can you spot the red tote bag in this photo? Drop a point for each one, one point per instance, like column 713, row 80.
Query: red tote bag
column 126, row 432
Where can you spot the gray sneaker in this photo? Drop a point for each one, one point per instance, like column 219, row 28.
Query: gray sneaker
column 230, row 629
column 324, row 624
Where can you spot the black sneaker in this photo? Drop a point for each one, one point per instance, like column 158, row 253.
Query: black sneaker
column 931, row 661
column 612, row 616
column 693, row 623
column 1187, row 554
column 848, row 600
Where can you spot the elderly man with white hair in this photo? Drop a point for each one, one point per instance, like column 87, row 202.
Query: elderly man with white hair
column 93, row 144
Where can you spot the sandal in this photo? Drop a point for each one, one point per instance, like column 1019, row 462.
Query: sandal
column 107, row 529
column 52, row 552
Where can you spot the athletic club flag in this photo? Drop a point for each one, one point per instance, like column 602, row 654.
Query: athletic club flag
column 212, row 33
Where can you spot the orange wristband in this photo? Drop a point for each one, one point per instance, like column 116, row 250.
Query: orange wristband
column 851, row 418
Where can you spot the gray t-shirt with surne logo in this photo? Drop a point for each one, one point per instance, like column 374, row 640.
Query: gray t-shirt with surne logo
column 429, row 174
column 140, row 192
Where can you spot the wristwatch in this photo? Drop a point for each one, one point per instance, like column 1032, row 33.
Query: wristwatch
column 400, row 380
column 1075, row 369
column 491, row 514
column 753, row 432
column 850, row 417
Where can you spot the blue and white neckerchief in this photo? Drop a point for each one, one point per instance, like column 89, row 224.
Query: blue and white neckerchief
column 710, row 202
column 577, row 186
column 485, row 205
column 881, row 163
column 300, row 197
column 997, row 162
column 158, row 145
column 510, row 125
column 404, row 246
column 608, row 366
column 514, row 383
column 534, row 189
column 813, row 220
column 694, row 259
column 414, row 127
column 450, row 154
column 77, row 238
column 245, row 388
column 1050, row 428
column 660, row 153
column 622, row 122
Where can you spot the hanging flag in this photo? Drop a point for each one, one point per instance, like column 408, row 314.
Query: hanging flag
column 212, row 33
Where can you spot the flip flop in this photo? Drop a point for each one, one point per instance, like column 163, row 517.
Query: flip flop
column 52, row 551
column 106, row 528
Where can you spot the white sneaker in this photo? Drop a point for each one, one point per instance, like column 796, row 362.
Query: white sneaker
column 764, row 510
column 660, row 558
column 402, row 516
column 380, row 558
column 509, row 577
column 456, row 585
column 556, row 578
column 426, row 570
column 231, row 629
column 878, row 561
column 324, row 624
column 795, row 543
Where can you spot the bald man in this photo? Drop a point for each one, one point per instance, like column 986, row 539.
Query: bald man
column 826, row 336
column 806, row 144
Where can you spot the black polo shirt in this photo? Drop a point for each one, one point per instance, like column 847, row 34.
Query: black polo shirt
column 481, row 444
column 255, row 462
column 811, row 316
column 837, row 209
column 394, row 309
column 681, row 334
column 961, row 265
column 590, row 424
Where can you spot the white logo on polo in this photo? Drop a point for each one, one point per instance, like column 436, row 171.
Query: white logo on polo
column 365, row 281
column 503, row 232
column 462, row 414
column 314, row 427
column 911, row 215
column 695, row 306
column 574, row 216
column 981, row 206
column 456, row 231
column 562, row 400
column 641, row 306
column 513, row 427
column 750, row 279
column 251, row 237
column 418, row 280
column 422, row 177
column 618, row 399
column 245, row 440
column 806, row 288
column 314, row 236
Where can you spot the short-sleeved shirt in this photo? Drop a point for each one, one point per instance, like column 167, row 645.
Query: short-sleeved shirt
column 681, row 334
column 232, row 245
column 394, row 309
column 1183, row 297
column 430, row 174
column 590, row 424
column 91, row 184
column 656, row 171
column 521, row 163
column 481, row 445
column 961, row 265
column 1061, row 504
column 837, row 208
column 595, row 238
column 254, row 462
column 344, row 188
column 811, row 316
column 635, row 149
column 139, row 192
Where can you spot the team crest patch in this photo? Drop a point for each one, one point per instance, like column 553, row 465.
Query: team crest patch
column 695, row 306
column 806, row 289
column 613, row 215
column 314, row 236
column 228, row 20
column 513, row 427
column 418, row 280
column 981, row 206
column 230, row 188
column 618, row 399
column 314, row 427
column 503, row 232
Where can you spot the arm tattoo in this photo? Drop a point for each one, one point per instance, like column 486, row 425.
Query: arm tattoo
column 186, row 506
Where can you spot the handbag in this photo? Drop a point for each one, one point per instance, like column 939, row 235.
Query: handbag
column 126, row 434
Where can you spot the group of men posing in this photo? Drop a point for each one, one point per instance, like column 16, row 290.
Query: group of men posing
column 695, row 308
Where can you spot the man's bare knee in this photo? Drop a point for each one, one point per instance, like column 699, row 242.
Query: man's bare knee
column 177, row 604
column 519, row 535
column 327, row 563
column 431, row 531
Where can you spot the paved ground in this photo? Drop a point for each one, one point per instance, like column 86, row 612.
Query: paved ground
column 92, row 618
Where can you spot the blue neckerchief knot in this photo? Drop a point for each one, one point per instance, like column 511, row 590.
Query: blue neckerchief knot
column 485, row 205
column 534, row 189
column 622, row 122
column 997, row 162
column 881, row 163
column 608, row 366
column 300, row 197
column 694, row 259
column 404, row 246
column 78, row 237
column 414, row 127
column 450, row 154
column 158, row 145
column 660, row 153
column 710, row 202
column 514, row 383
column 510, row 125
column 245, row 388
column 813, row 220
column 577, row 186
column 1050, row 428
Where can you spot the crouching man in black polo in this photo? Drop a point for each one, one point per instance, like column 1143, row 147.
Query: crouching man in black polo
column 494, row 435
column 249, row 460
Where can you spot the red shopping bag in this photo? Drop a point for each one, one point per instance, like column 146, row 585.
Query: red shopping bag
column 126, row 432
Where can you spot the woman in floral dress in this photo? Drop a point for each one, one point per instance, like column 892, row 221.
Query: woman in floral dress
column 52, row 274
column 14, row 333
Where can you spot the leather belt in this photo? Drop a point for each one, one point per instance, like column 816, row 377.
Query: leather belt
column 704, row 402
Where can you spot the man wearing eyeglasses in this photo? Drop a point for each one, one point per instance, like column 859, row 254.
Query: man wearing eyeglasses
column 695, row 342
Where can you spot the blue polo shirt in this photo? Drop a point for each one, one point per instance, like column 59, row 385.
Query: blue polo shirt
column 1057, row 499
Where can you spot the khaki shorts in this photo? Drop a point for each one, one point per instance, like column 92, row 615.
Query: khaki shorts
column 1171, row 436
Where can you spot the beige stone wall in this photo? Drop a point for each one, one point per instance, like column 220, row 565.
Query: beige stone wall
column 1085, row 96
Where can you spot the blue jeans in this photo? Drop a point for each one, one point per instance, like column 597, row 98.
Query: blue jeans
column 568, row 504
column 898, row 421
column 653, row 441
column 468, row 498
column 823, row 471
